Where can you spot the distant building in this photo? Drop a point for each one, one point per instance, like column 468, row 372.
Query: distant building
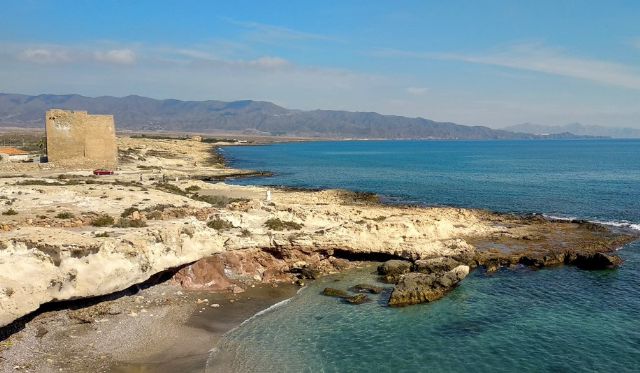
column 77, row 138
column 14, row 155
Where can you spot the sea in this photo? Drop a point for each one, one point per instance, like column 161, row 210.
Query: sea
column 549, row 320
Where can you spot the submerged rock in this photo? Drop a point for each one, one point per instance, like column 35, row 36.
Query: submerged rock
column 331, row 292
column 414, row 288
column 356, row 299
column 391, row 270
column 366, row 288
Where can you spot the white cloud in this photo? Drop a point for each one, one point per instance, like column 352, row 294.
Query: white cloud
column 534, row 57
column 45, row 55
column 265, row 32
column 270, row 62
column 116, row 56
column 417, row 91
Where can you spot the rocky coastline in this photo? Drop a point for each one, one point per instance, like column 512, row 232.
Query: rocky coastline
column 66, row 235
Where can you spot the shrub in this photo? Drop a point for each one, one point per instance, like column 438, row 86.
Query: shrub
column 281, row 225
column 216, row 200
column 103, row 234
column 219, row 224
column 128, row 211
column 103, row 221
column 193, row 188
column 169, row 188
column 10, row 212
column 130, row 223
column 65, row 215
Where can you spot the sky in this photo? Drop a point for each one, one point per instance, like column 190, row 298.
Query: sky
column 493, row 63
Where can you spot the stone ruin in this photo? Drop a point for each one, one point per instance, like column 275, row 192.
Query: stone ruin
column 75, row 138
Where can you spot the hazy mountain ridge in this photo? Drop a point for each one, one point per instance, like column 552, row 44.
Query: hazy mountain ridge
column 577, row 129
column 142, row 113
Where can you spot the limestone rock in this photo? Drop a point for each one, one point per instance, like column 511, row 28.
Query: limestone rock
column 331, row 292
column 356, row 299
column 435, row 265
column 391, row 270
column 597, row 261
column 414, row 288
column 367, row 288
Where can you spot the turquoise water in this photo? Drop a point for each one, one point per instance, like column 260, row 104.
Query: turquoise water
column 552, row 320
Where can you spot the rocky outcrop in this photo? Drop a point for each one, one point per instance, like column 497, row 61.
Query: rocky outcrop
column 597, row 261
column 392, row 270
column 415, row 287
column 435, row 265
column 366, row 288
column 345, row 296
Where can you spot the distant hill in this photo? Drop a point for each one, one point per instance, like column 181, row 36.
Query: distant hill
column 256, row 117
column 577, row 129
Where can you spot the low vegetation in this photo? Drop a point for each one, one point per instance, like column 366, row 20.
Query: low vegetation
column 192, row 189
column 65, row 215
column 130, row 223
column 169, row 188
column 103, row 221
column 217, row 200
column 219, row 224
column 281, row 225
column 102, row 234
column 10, row 212
column 128, row 211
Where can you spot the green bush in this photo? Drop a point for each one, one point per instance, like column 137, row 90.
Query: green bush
column 281, row 225
column 219, row 224
column 65, row 215
column 103, row 221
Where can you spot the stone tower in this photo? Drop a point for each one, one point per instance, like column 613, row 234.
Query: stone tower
column 76, row 138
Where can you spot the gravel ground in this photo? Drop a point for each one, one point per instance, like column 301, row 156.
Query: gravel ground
column 159, row 329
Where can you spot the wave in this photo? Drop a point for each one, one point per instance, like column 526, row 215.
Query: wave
column 215, row 349
column 613, row 223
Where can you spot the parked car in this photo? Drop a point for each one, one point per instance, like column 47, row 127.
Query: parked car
column 102, row 171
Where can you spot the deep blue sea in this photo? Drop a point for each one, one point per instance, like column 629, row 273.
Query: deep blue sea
column 550, row 320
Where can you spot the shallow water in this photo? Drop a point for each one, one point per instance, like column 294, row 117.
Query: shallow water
column 550, row 320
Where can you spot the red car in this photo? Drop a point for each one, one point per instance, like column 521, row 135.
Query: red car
column 101, row 171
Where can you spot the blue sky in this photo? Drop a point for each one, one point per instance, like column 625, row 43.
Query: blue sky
column 492, row 63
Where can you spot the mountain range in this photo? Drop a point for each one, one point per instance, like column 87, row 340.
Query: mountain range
column 577, row 129
column 249, row 117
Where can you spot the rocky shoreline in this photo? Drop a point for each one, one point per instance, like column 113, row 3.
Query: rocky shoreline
column 71, row 236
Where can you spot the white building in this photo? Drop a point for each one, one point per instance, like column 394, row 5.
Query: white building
column 14, row 155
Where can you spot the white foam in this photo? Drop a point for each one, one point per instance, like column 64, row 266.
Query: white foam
column 612, row 223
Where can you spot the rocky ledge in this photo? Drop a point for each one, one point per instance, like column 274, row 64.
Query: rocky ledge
column 70, row 235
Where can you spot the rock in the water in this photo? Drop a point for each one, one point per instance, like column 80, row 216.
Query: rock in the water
column 414, row 288
column 391, row 270
column 597, row 261
column 331, row 292
column 309, row 273
column 366, row 288
column 356, row 299
column 435, row 265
